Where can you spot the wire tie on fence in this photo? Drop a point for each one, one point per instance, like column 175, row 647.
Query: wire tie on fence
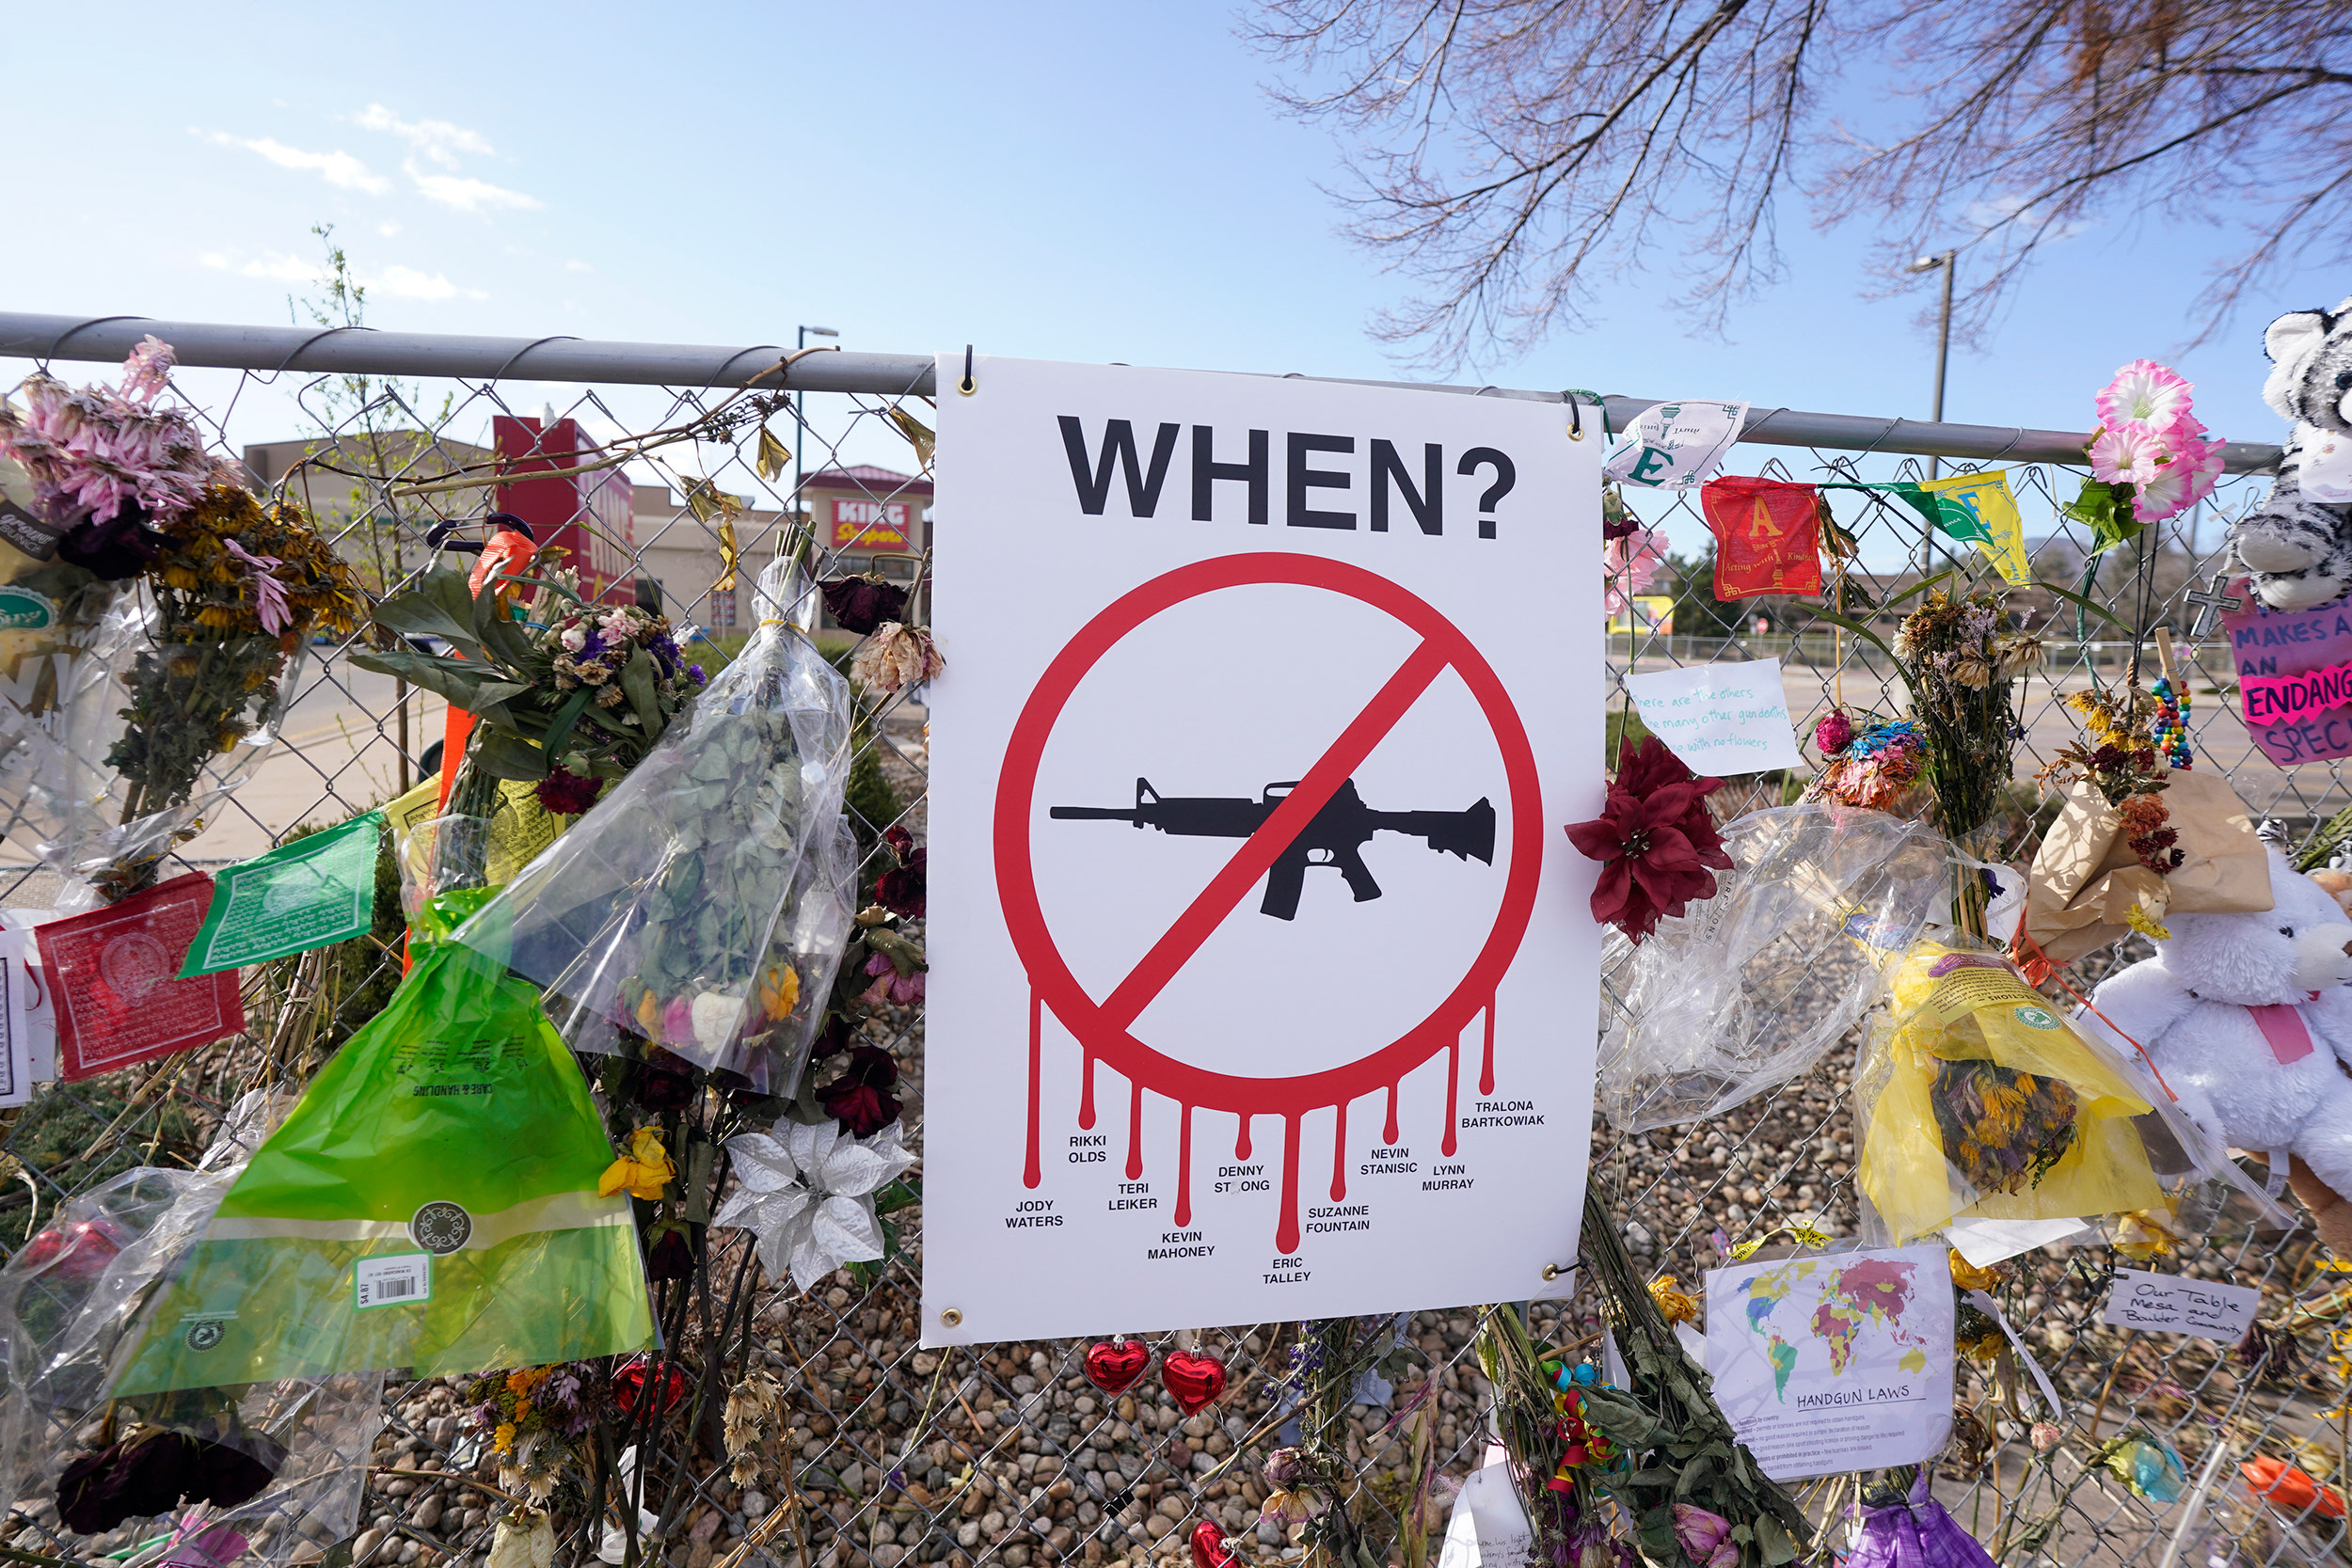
column 536, row 342
column 967, row 386
column 60, row 340
column 296, row 352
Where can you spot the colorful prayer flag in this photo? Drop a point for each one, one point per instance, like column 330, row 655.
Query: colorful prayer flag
column 1766, row 536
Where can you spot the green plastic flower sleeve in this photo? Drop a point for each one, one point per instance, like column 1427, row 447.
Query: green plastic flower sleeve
column 430, row 1204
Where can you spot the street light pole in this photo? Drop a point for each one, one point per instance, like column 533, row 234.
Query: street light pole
column 1948, row 261
column 800, row 432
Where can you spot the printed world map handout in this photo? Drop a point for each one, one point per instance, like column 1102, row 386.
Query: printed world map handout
column 1834, row 1362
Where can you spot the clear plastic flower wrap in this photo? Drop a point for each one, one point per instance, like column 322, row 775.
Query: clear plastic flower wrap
column 1979, row 1100
column 1754, row 985
column 656, row 914
column 809, row 943
column 269, row 1472
column 66, row 642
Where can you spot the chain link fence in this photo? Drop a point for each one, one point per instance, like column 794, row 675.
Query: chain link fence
column 885, row 1453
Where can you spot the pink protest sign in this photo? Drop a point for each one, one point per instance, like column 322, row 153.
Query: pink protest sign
column 2295, row 676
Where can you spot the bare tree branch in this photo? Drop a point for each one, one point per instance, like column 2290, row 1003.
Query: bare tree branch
column 1510, row 156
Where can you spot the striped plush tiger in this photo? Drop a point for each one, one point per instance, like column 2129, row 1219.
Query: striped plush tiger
column 2296, row 547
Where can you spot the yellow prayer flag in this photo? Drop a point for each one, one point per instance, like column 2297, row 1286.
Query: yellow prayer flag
column 1987, row 500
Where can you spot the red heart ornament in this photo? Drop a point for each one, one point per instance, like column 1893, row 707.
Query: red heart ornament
column 1114, row 1365
column 1209, row 1550
column 1195, row 1380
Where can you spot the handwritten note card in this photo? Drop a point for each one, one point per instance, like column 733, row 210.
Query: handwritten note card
column 2172, row 1305
column 1719, row 718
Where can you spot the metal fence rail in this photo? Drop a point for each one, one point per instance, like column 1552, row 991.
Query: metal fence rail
column 1004, row 1454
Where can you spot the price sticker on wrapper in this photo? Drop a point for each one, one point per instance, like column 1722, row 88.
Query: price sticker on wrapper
column 404, row 1281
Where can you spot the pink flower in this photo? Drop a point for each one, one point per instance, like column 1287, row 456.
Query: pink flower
column 2147, row 393
column 2186, row 477
column 1702, row 1534
column 678, row 1021
column 1632, row 562
column 269, row 595
column 149, row 369
column 1833, row 734
column 890, row 988
column 2130, row 453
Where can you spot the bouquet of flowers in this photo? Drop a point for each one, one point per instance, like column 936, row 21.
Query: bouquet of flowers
column 530, row 1419
column 239, row 587
column 1960, row 660
column 658, row 913
column 2150, row 458
column 1694, row 1494
column 115, row 487
column 1979, row 1100
column 1869, row 767
column 564, row 691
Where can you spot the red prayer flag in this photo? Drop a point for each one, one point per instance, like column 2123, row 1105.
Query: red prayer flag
column 113, row 971
column 1766, row 536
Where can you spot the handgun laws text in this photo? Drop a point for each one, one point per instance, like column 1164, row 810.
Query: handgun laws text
column 1248, row 902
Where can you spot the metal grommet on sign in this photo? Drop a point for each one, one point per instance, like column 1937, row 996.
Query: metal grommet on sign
column 951, row 1317
column 967, row 386
column 1576, row 419
column 1553, row 1271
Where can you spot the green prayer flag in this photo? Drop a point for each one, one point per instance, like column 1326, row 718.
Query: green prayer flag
column 304, row 895
column 1949, row 516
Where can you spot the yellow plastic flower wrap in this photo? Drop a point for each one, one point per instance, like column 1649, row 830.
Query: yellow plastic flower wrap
column 1983, row 1102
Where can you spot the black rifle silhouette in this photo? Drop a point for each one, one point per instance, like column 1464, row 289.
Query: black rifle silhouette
column 1337, row 834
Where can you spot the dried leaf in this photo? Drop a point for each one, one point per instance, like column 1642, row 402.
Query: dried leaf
column 730, row 554
column 773, row 456
column 916, row 431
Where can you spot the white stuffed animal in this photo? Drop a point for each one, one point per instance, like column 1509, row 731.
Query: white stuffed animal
column 2296, row 546
column 2248, row 1020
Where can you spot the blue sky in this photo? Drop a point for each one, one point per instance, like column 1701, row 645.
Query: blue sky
column 1092, row 182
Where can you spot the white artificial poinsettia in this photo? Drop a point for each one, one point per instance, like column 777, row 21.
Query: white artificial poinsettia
column 807, row 1192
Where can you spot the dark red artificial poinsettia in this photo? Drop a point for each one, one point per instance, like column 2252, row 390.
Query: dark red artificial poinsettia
column 1654, row 839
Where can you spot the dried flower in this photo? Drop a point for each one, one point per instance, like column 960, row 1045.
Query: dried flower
column 1658, row 846
column 754, row 1409
column 2003, row 1130
column 891, row 988
column 1833, row 734
column 1700, row 1533
column 902, row 890
column 859, row 1098
column 894, row 657
column 567, row 793
column 643, row 1171
column 2044, row 1436
column 1674, row 1305
column 671, row 1256
column 860, row 604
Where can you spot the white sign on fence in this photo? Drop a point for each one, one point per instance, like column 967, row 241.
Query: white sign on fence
column 1254, row 938
column 1719, row 718
column 2173, row 1305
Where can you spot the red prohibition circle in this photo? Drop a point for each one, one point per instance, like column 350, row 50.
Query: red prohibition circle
column 1049, row 976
